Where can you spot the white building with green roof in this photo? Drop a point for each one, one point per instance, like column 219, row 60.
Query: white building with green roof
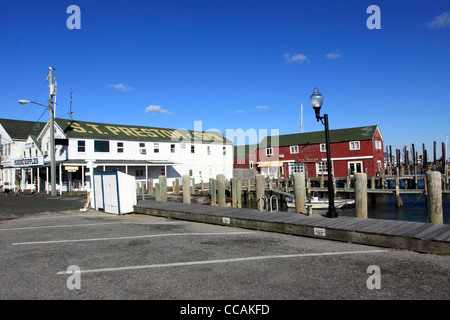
column 144, row 152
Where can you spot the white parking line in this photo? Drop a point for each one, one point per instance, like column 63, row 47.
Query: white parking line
column 66, row 216
column 59, row 226
column 191, row 263
column 90, row 224
column 136, row 237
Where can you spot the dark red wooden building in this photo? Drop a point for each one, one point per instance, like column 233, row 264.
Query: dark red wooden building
column 352, row 150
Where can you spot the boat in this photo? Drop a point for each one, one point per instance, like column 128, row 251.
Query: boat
column 317, row 203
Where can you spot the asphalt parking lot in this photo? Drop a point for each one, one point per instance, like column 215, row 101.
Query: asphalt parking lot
column 12, row 206
column 75, row 255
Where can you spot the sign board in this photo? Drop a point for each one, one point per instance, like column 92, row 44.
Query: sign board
column 29, row 145
column 319, row 232
column 61, row 142
column 28, row 162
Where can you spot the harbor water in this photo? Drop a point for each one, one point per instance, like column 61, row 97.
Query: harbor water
column 383, row 206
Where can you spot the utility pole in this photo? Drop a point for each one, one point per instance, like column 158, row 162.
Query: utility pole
column 52, row 93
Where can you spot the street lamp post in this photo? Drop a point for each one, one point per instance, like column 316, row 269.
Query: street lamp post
column 316, row 100
column 52, row 127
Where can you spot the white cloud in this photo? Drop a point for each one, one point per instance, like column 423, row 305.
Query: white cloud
column 334, row 55
column 121, row 87
column 156, row 109
column 298, row 58
column 262, row 108
column 440, row 21
column 239, row 111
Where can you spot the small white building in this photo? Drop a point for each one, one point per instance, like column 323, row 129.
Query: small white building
column 19, row 152
column 143, row 152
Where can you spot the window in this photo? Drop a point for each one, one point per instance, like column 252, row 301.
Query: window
column 251, row 164
column 81, row 146
column 379, row 168
column 377, row 144
column 139, row 173
column 297, row 168
column 101, row 146
column 172, row 148
column 322, row 167
column 354, row 145
column 355, row 166
column 208, row 150
column 224, row 151
column 294, row 149
column 142, row 148
column 269, row 151
column 323, row 147
column 192, row 149
column 156, row 147
column 119, row 147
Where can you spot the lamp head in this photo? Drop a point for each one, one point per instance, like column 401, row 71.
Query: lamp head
column 316, row 101
column 24, row 101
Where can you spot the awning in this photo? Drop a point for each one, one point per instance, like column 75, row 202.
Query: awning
column 265, row 164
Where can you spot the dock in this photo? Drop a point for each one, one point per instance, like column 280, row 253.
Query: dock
column 414, row 236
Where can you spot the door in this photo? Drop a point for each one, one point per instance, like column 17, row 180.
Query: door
column 355, row 167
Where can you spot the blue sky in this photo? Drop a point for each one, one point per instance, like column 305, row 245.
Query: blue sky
column 246, row 64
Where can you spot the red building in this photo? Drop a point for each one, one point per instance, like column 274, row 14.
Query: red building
column 352, row 150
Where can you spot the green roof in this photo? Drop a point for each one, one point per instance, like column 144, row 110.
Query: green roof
column 83, row 129
column 20, row 130
column 338, row 135
column 245, row 149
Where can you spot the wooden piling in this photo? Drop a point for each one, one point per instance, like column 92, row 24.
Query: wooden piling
column 157, row 192
column 435, row 212
column 163, row 188
column 221, row 190
column 445, row 165
column 186, row 185
column 192, row 185
column 300, row 192
column 177, row 186
column 143, row 191
column 234, row 192
column 398, row 199
column 239, row 192
column 361, row 195
column 150, row 187
column 260, row 185
column 308, row 188
column 213, row 191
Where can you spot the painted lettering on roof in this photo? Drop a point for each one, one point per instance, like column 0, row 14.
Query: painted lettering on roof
column 111, row 131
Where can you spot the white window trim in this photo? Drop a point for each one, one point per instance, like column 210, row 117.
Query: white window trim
column 325, row 171
column 294, row 149
column 378, row 145
column 355, row 162
column 269, row 151
column 354, row 145
column 293, row 168
column 323, row 147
